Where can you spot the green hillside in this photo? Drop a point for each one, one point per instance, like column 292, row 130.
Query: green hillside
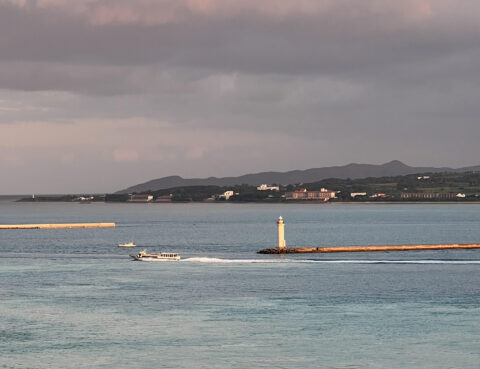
column 467, row 183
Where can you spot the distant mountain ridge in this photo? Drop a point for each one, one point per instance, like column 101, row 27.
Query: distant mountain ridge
column 353, row 170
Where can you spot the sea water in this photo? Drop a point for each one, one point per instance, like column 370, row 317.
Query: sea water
column 70, row 298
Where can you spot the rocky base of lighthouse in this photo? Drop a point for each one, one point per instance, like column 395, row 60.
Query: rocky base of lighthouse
column 287, row 250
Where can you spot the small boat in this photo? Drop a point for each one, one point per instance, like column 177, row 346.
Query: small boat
column 128, row 244
column 163, row 256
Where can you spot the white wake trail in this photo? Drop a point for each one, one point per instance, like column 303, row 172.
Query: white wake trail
column 218, row 260
column 244, row 261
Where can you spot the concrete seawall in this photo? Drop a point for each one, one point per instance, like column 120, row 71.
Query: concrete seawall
column 57, row 226
column 310, row 250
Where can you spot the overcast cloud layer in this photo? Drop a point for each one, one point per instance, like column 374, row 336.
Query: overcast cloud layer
column 97, row 95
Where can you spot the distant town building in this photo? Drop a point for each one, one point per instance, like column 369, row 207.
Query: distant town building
column 164, row 198
column 379, row 196
column 303, row 194
column 355, row 194
column 265, row 187
column 226, row 195
column 83, row 198
column 428, row 195
column 423, row 177
column 140, row 198
column 461, row 195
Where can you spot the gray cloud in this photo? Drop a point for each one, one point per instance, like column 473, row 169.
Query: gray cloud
column 326, row 42
column 336, row 81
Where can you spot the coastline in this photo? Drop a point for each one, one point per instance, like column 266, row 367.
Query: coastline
column 332, row 203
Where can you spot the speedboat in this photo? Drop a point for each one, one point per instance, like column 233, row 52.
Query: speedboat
column 163, row 256
column 128, row 244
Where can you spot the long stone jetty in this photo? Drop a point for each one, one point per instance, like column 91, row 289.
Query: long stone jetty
column 310, row 250
column 283, row 249
column 57, row 225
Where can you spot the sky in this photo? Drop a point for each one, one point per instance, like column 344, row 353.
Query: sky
column 99, row 95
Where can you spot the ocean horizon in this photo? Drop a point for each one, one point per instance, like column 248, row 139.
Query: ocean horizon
column 72, row 299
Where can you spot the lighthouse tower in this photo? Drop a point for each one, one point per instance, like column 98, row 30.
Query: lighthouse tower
column 281, row 233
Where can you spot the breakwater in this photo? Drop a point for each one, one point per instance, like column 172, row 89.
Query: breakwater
column 57, row 225
column 331, row 249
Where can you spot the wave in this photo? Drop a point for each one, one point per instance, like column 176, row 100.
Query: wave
column 277, row 261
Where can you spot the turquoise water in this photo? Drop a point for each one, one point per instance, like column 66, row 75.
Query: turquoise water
column 72, row 299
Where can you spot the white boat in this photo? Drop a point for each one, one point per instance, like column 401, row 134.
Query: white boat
column 163, row 256
column 128, row 244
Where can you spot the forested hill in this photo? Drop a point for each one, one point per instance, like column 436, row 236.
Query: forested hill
column 467, row 183
column 391, row 188
column 352, row 171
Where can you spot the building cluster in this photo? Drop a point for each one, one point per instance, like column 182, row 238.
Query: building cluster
column 80, row 198
column 265, row 187
column 432, row 195
column 378, row 195
column 164, row 198
column 304, row 194
column 140, row 198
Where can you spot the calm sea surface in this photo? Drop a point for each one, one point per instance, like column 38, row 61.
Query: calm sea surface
column 72, row 299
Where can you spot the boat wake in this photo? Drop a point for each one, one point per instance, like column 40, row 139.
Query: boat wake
column 278, row 261
column 399, row 261
column 218, row 260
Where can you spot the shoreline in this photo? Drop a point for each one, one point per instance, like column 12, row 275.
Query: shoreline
column 253, row 202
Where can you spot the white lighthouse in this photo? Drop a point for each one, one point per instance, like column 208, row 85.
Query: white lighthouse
column 281, row 233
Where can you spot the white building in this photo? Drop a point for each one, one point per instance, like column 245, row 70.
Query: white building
column 265, row 187
column 303, row 194
column 379, row 195
column 355, row 194
column 226, row 195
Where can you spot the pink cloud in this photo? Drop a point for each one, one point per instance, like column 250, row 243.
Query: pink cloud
column 168, row 11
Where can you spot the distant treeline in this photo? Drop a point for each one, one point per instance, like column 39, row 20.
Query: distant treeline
column 467, row 183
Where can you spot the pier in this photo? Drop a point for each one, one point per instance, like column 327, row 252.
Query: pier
column 283, row 249
column 331, row 249
column 57, row 225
